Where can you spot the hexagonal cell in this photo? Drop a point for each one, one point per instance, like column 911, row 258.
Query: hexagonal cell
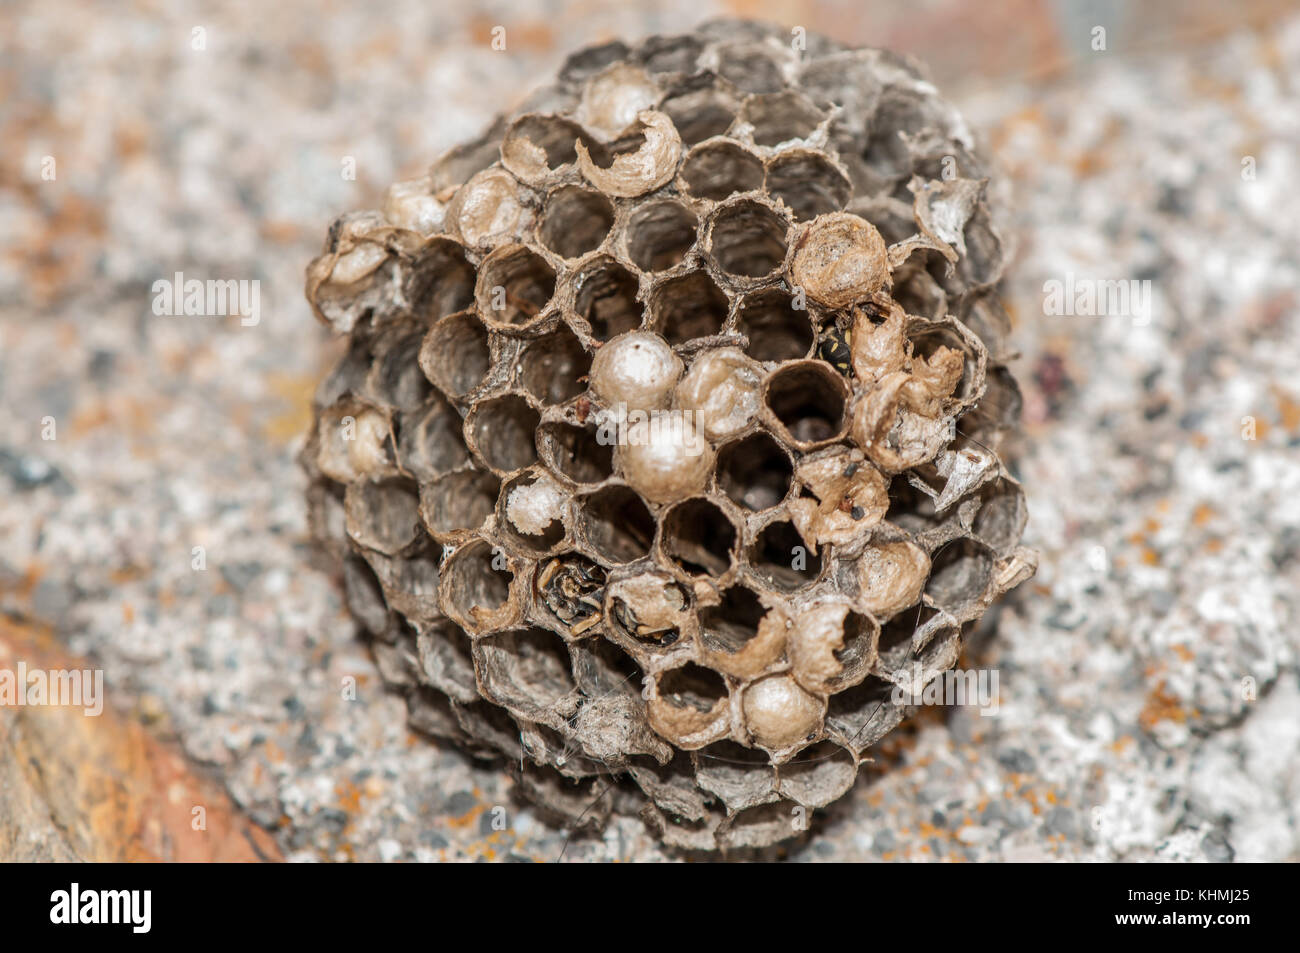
column 431, row 442
column 575, row 221
column 430, row 712
column 895, row 645
column 820, row 774
column 687, row 307
column 692, row 687
column 910, row 509
column 395, row 379
column 555, row 136
column 751, row 67
column 446, row 660
column 699, row 538
column 571, row 588
column 927, row 339
column 762, row 825
column 755, row 471
column 551, row 366
column 515, row 285
column 855, row 656
column 523, row 509
column 740, row 777
column 648, row 611
column 806, row 400
column 659, row 234
column 1000, row 407
column 1002, row 515
column 474, row 591
column 669, row 54
column 729, row 626
column 959, row 574
column 458, row 503
column 410, row 582
column 505, row 430
column 747, row 239
column 590, row 60
column 863, row 714
column 353, row 440
column 780, row 117
column 606, row 297
column 671, row 785
column 348, row 375
column 383, row 515
column 602, row 668
column 559, row 749
column 491, row 726
column 364, row 595
column 440, row 281
column 455, row 354
column 719, row 168
column 576, row 452
column 700, row 110
column 777, row 331
column 529, row 672
column 616, row 524
column 780, row 557
column 808, row 183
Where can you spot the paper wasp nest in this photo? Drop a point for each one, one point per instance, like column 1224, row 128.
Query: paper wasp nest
column 665, row 442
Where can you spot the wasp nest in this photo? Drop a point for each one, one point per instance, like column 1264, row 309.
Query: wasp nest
column 665, row 443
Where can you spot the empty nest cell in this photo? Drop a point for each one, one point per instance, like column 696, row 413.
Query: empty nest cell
column 526, row 670
column 699, row 538
column 686, row 307
column 700, row 111
column 430, row 442
column 616, row 523
column 659, row 234
column 606, row 297
column 780, row 117
column 441, row 281
column 729, row 626
column 692, row 687
column 504, row 431
column 807, row 400
column 719, row 168
column 458, row 502
column 456, row 354
column 551, row 367
column 755, row 471
column 575, row 451
column 515, row 285
column 959, row 574
column 782, row 559
column 774, row 328
column 475, row 583
column 575, row 221
column 809, row 183
column 383, row 515
column 747, row 239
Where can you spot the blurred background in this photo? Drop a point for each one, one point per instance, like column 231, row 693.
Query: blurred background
column 151, row 515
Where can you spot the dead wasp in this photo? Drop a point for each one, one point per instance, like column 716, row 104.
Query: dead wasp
column 834, row 346
column 573, row 588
